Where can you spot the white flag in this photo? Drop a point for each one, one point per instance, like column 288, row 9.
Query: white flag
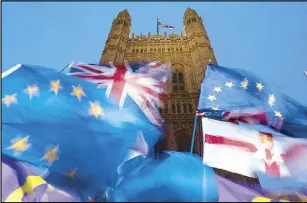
column 245, row 151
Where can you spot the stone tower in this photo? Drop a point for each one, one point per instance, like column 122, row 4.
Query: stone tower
column 116, row 44
column 188, row 53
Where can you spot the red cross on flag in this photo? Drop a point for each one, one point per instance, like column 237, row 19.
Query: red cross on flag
column 245, row 151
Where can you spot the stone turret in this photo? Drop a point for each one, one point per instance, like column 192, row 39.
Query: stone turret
column 199, row 43
column 116, row 43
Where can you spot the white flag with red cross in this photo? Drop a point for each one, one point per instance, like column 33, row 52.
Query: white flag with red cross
column 245, row 151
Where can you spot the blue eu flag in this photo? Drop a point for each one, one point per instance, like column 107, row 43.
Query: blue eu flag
column 175, row 177
column 236, row 95
column 68, row 126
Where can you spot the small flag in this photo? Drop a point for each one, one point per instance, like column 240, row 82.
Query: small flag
column 166, row 26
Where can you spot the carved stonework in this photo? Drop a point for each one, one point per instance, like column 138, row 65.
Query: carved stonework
column 188, row 55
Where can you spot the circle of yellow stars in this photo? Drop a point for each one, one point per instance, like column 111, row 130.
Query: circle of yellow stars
column 244, row 85
column 21, row 145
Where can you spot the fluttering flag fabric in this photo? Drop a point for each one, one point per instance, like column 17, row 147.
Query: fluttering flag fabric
column 68, row 126
column 21, row 184
column 237, row 95
column 176, row 176
column 144, row 82
column 230, row 191
column 245, row 151
column 165, row 26
column 283, row 184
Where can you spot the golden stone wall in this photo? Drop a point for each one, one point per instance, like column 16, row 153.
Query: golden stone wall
column 188, row 53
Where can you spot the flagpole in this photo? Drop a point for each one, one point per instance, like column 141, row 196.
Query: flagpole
column 65, row 68
column 157, row 26
column 193, row 134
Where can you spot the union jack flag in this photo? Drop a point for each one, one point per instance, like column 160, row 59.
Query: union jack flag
column 166, row 26
column 143, row 81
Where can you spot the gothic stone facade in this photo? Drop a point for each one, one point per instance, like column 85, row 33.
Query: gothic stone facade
column 188, row 54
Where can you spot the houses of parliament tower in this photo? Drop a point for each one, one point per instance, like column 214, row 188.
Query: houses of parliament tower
column 188, row 53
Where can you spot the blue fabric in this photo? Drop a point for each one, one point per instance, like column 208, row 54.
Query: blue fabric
column 21, row 184
column 176, row 176
column 284, row 184
column 91, row 145
column 294, row 115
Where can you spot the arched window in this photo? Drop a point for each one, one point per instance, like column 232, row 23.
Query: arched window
column 180, row 77
column 137, row 51
column 169, row 50
column 155, row 50
column 151, row 50
column 141, row 50
column 180, row 48
column 133, row 50
column 177, row 49
column 178, row 82
column 174, row 80
column 159, row 50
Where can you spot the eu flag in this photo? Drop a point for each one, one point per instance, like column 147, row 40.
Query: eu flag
column 175, row 177
column 68, row 126
column 237, row 95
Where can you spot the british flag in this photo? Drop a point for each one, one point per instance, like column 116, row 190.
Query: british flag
column 166, row 26
column 144, row 82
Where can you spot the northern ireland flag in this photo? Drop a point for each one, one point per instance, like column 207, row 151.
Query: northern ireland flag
column 245, row 151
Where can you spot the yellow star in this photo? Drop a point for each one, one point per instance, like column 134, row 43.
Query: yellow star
column 278, row 114
column 95, row 109
column 229, row 84
column 51, row 155
column 78, row 92
column 217, row 89
column 72, row 174
column 244, row 83
column 215, row 108
column 32, row 90
column 272, row 100
column 211, row 98
column 55, row 86
column 9, row 99
column 20, row 145
column 259, row 86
